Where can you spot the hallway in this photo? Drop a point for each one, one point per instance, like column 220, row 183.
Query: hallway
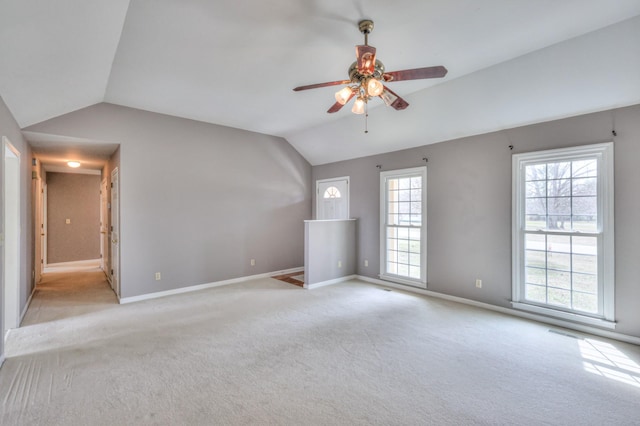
column 63, row 295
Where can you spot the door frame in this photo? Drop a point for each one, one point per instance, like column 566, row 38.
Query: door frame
column 104, row 227
column 335, row 179
column 115, row 232
column 11, row 288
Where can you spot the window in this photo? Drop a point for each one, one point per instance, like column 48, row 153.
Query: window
column 332, row 192
column 403, row 251
column 563, row 233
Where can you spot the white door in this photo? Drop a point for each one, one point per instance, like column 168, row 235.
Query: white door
column 11, row 275
column 115, row 233
column 332, row 200
column 39, row 230
column 104, row 231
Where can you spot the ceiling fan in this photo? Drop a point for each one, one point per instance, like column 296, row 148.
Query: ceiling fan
column 367, row 77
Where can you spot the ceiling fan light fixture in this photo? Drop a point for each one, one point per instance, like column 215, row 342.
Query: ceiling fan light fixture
column 358, row 106
column 374, row 87
column 388, row 97
column 343, row 95
column 73, row 164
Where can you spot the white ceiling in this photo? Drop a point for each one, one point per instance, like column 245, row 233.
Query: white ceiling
column 234, row 63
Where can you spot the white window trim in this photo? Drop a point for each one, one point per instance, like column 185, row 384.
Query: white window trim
column 422, row 283
column 605, row 211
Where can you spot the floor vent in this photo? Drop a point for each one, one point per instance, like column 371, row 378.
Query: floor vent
column 562, row 333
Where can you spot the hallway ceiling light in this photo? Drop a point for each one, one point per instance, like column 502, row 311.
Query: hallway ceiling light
column 74, row 164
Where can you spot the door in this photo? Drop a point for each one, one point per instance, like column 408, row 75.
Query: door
column 332, row 199
column 115, row 232
column 11, row 273
column 104, row 230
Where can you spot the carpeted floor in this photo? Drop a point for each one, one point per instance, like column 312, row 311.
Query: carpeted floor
column 266, row 353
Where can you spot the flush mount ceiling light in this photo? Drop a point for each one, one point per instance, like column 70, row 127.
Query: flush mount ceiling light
column 74, row 164
column 367, row 77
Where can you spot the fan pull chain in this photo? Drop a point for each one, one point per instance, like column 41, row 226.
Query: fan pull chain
column 366, row 118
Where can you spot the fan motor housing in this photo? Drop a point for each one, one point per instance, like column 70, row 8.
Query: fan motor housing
column 356, row 77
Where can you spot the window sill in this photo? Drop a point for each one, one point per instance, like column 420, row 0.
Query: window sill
column 583, row 319
column 404, row 281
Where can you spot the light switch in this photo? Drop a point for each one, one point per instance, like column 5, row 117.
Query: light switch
column 68, row 221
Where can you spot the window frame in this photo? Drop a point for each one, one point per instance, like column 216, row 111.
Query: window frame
column 403, row 173
column 605, row 232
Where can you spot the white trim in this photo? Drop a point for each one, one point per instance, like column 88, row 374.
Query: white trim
column 1, row 360
column 606, row 278
column 65, row 169
column 570, row 316
column 198, row 287
column 513, row 312
column 329, row 282
column 412, row 171
column 72, row 266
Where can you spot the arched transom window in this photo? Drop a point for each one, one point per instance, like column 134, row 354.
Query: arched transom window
column 332, row 192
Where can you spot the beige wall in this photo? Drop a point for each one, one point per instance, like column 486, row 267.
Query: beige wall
column 73, row 197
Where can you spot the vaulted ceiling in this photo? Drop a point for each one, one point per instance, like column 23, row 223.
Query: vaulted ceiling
column 234, row 63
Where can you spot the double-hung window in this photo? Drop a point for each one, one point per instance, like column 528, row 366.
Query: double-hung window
column 563, row 233
column 403, row 247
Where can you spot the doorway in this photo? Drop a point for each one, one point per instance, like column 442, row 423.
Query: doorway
column 115, row 232
column 11, row 249
column 332, row 198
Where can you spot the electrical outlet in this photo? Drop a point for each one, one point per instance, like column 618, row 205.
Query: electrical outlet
column 339, row 263
column 253, row 262
column 67, row 221
column 158, row 276
column 366, row 263
column 479, row 283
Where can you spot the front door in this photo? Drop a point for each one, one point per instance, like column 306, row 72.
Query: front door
column 332, row 198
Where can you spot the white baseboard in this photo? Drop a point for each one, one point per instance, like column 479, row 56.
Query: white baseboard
column 1, row 360
column 539, row 318
column 198, row 287
column 330, row 282
column 26, row 306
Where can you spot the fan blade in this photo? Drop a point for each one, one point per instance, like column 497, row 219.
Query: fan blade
column 391, row 99
column 415, row 74
column 338, row 106
column 366, row 59
column 315, row 86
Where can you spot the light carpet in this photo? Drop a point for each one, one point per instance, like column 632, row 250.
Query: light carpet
column 268, row 353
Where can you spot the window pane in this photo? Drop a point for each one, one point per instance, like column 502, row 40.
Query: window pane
column 414, row 272
column 559, row 188
column 535, row 242
column 585, row 168
column 414, row 259
column 584, row 245
column 535, row 258
column 536, row 172
column 536, row 206
column 585, row 263
column 559, row 170
column 585, row 186
column 416, row 195
column 559, row 206
column 586, row 283
column 559, row 297
column 559, row 261
column 404, row 183
column 558, row 279
column 402, row 232
column 392, row 268
column 535, row 276
column 414, row 233
column 403, row 270
column 535, row 293
column 416, row 182
column 585, row 206
column 585, row 302
column 536, row 189
column 559, row 243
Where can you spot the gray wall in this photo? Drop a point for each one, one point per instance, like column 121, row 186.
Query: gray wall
column 197, row 201
column 469, row 205
column 9, row 128
column 75, row 197
column 327, row 242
